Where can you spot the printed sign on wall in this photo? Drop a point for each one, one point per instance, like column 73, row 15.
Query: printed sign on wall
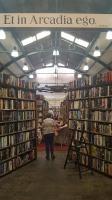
column 56, row 20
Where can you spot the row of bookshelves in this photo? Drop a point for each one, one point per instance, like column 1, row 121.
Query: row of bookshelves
column 16, row 104
column 99, row 78
column 103, row 154
column 92, row 115
column 102, row 103
column 12, row 133
column 13, row 93
column 17, row 161
column 9, row 154
column 103, row 141
column 17, row 123
column 9, row 80
column 14, row 115
column 13, row 140
column 90, row 92
column 64, row 108
column 7, row 128
column 42, row 108
column 16, row 149
column 92, row 121
column 94, row 127
column 97, row 164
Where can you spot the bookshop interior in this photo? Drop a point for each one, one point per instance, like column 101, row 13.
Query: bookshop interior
column 66, row 73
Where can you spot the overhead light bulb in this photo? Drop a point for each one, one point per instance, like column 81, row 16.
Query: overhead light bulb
column 2, row 35
column 97, row 52
column 79, row 75
column 25, row 67
column 14, row 52
column 109, row 35
column 55, row 53
column 86, row 67
column 31, row 76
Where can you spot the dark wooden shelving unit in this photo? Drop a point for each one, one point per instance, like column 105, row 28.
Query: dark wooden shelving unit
column 18, row 131
column 91, row 106
column 42, row 108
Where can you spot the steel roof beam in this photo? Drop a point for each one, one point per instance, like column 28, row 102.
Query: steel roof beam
column 68, row 50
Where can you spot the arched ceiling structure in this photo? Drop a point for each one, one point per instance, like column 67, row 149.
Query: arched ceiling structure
column 39, row 53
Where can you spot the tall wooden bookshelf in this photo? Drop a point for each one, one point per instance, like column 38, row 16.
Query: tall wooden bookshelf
column 64, row 108
column 17, row 123
column 90, row 106
column 42, row 108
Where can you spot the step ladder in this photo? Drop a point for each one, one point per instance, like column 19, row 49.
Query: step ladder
column 75, row 147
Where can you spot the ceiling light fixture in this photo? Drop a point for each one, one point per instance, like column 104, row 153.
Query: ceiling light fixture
column 85, row 67
column 97, row 52
column 55, row 53
column 31, row 76
column 79, row 75
column 2, row 35
column 67, row 36
column 81, row 42
column 109, row 35
column 28, row 40
column 25, row 67
column 43, row 34
column 14, row 52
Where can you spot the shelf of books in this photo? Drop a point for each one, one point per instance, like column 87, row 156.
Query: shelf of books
column 90, row 106
column 64, row 110
column 17, row 123
column 42, row 108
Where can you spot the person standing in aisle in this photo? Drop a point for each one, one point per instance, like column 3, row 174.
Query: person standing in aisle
column 48, row 127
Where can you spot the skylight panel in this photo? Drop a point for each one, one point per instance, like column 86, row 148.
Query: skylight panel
column 81, row 42
column 2, row 35
column 61, row 64
column 47, row 70
column 49, row 64
column 67, row 36
column 63, row 70
column 43, row 34
column 28, row 40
